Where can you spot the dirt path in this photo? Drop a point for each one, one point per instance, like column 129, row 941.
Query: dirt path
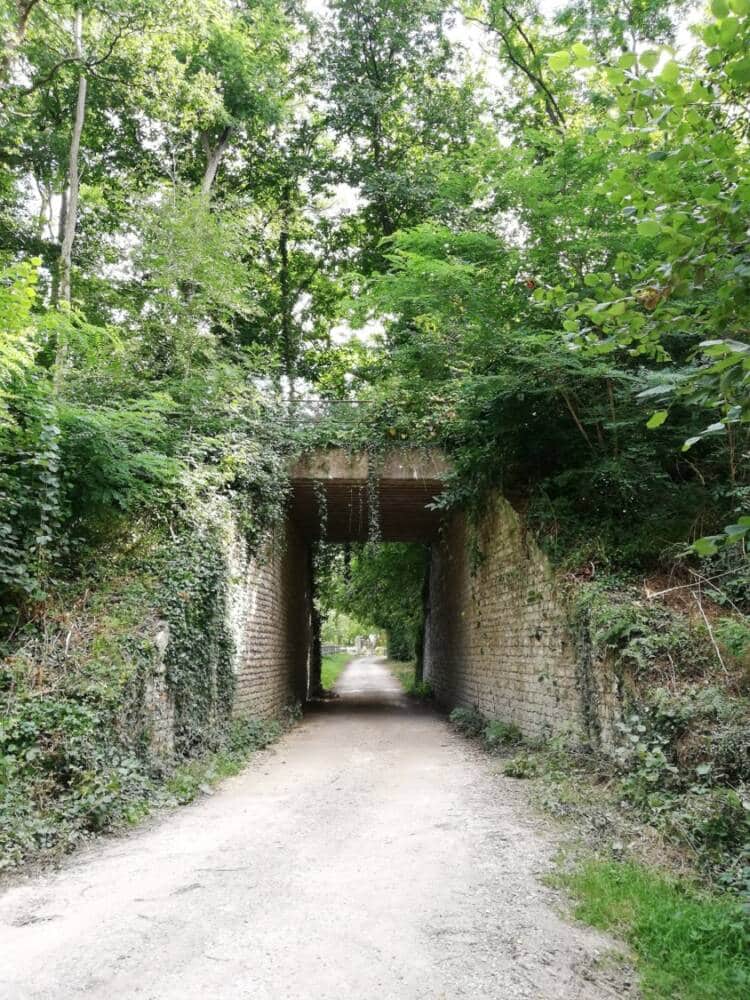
column 372, row 855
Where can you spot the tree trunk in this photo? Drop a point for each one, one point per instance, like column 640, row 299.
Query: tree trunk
column 45, row 204
column 287, row 326
column 55, row 289
column 71, row 214
column 214, row 157
column 7, row 59
column 387, row 225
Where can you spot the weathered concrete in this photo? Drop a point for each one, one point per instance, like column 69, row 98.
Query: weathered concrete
column 497, row 635
column 333, row 490
column 372, row 855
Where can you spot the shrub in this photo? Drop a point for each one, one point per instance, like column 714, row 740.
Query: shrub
column 419, row 689
column 734, row 636
column 499, row 734
column 468, row 721
column 63, row 775
column 521, row 766
column 716, row 821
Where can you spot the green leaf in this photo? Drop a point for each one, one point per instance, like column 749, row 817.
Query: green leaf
column 739, row 70
column 657, row 390
column 657, row 419
column 559, row 61
column 740, row 7
column 649, row 58
column 736, row 530
column 649, row 228
column 670, row 73
column 728, row 30
column 719, row 8
column 705, row 546
column 582, row 55
column 615, row 76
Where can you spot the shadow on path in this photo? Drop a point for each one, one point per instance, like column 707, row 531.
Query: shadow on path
column 366, row 686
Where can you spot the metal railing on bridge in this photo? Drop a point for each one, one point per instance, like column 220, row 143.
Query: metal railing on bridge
column 315, row 410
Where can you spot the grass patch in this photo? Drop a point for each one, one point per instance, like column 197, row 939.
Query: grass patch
column 405, row 674
column 332, row 667
column 689, row 944
column 495, row 734
column 244, row 737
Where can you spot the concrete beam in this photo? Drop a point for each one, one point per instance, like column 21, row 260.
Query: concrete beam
column 331, row 492
column 394, row 464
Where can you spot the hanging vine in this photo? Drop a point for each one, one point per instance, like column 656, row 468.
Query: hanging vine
column 321, row 505
column 374, row 469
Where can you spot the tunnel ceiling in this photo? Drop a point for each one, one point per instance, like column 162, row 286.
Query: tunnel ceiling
column 331, row 493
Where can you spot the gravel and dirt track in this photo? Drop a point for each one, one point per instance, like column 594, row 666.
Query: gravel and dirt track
column 371, row 855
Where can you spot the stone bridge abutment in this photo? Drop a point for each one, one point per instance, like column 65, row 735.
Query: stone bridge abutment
column 497, row 633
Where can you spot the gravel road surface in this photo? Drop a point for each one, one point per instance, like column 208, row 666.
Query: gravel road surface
column 371, row 855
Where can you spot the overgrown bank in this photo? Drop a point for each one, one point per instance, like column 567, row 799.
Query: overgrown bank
column 657, row 812
column 118, row 689
column 675, row 756
column 119, row 651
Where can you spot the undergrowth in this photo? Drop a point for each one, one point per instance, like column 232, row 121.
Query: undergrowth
column 80, row 749
column 495, row 734
column 656, row 866
column 96, row 786
column 242, row 738
column 659, row 792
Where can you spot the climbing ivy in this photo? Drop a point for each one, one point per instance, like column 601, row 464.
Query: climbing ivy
column 199, row 654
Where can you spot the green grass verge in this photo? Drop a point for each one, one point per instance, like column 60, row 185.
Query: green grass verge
column 405, row 674
column 192, row 777
column 332, row 667
column 689, row 944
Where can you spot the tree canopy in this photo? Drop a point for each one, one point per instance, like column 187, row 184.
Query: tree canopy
column 521, row 236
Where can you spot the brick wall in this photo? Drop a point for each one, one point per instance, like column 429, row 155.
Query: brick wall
column 497, row 634
column 270, row 615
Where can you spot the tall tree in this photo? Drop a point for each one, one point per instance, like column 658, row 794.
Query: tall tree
column 394, row 108
column 235, row 69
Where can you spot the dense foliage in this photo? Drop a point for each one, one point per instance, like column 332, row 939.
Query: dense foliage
column 381, row 586
column 194, row 197
column 522, row 237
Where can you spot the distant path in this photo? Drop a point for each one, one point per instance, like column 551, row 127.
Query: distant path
column 372, row 855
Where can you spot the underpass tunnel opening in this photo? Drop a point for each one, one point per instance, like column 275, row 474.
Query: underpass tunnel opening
column 369, row 597
column 370, row 523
